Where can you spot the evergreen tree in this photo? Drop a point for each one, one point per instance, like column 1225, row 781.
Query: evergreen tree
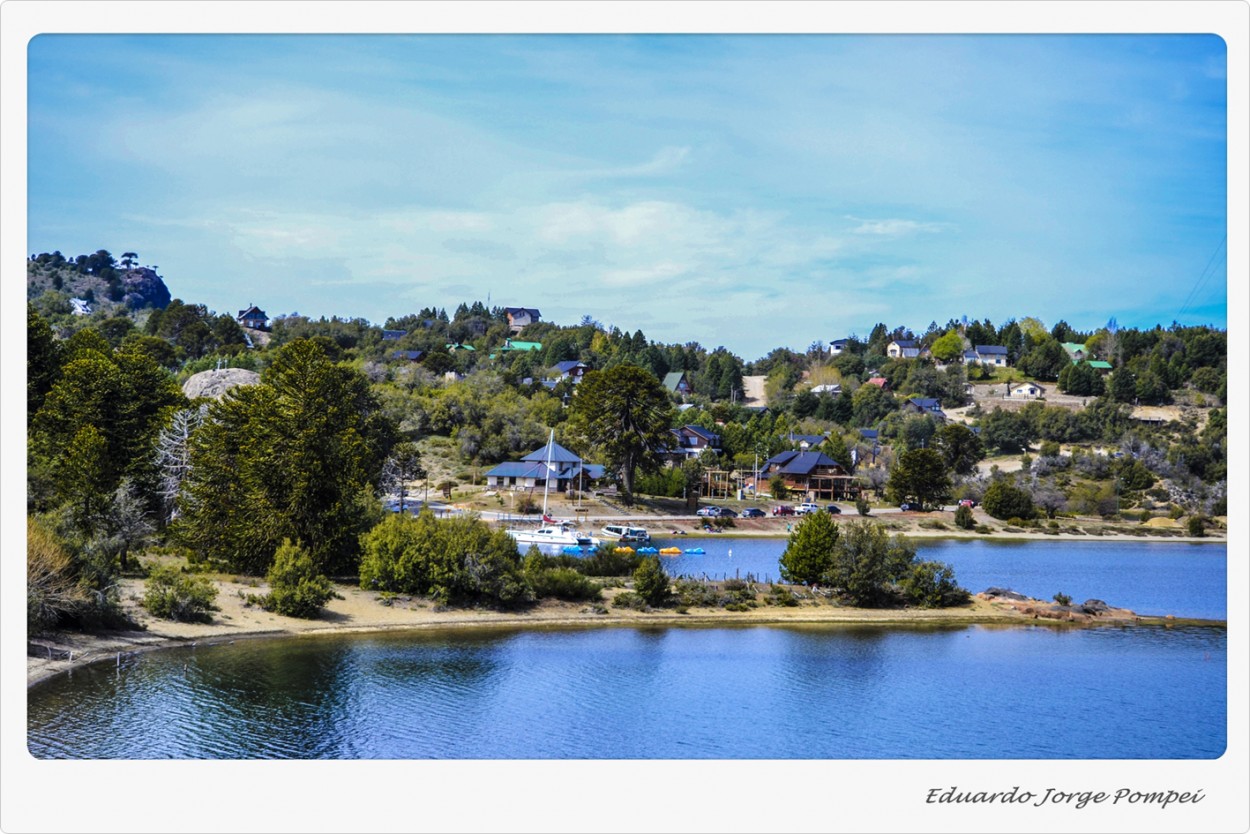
column 808, row 557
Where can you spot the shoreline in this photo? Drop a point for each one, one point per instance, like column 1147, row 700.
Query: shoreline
column 360, row 612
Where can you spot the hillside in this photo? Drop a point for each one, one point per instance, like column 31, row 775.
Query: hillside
column 98, row 282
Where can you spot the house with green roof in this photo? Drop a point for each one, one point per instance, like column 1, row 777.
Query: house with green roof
column 510, row 345
column 677, row 383
column 1076, row 351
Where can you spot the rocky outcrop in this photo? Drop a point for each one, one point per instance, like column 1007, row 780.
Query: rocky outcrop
column 142, row 287
column 215, row 384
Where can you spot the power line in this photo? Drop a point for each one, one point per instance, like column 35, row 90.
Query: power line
column 1202, row 279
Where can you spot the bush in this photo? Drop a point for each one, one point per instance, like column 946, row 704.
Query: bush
column 964, row 518
column 1003, row 500
column 1062, row 599
column 1195, row 526
column 52, row 591
column 651, row 583
column 606, row 561
column 558, row 582
column 628, row 599
column 296, row 589
column 781, row 595
column 861, row 506
column 172, row 595
column 932, row 585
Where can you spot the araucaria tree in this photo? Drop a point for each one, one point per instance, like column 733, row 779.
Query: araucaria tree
column 297, row 457
column 624, row 412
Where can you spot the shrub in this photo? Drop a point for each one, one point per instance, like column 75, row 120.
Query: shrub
column 1062, row 599
column 296, row 589
column 1195, row 526
column 629, row 599
column 606, row 561
column 172, row 595
column 932, row 585
column 781, row 595
column 52, row 590
column 964, row 518
column 560, row 582
column 1003, row 500
column 861, row 506
column 651, row 583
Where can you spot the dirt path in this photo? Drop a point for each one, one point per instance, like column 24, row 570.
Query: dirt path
column 753, row 391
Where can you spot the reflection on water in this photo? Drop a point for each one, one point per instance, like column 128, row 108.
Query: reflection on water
column 810, row 692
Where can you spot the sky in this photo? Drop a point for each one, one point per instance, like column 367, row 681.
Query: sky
column 748, row 191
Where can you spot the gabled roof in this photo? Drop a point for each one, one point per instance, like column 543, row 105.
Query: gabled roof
column 878, row 381
column 454, row 346
column 410, row 355
column 519, row 469
column 514, row 311
column 1073, row 347
column 710, row 436
column 512, row 345
column 927, row 403
column 1100, row 365
column 253, row 312
column 559, row 454
column 798, row 463
column 568, row 365
column 990, row 350
column 811, row 439
column 839, row 342
column 906, row 343
column 672, row 378
column 393, row 335
column 868, row 434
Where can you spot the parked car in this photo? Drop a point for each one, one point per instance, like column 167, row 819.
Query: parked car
column 783, row 510
column 833, row 509
column 905, row 506
column 753, row 512
column 968, row 502
column 806, row 507
column 708, row 512
column 725, row 512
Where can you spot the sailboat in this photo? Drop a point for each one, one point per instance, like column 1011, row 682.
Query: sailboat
column 552, row 532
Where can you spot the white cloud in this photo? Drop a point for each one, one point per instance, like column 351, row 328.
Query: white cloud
column 894, row 227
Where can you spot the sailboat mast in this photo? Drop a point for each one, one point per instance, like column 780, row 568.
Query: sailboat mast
column 547, row 481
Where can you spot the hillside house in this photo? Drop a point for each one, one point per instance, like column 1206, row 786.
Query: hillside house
column 1026, row 391
column 903, row 349
column 511, row 346
column 690, row 442
column 1076, row 352
column 804, row 442
column 838, row 346
column 924, row 405
column 677, row 383
column 254, row 318
column 832, row 388
column 570, row 369
column 521, row 317
column 393, row 335
column 408, row 355
column 533, row 472
column 814, row 475
column 879, row 381
column 993, row 355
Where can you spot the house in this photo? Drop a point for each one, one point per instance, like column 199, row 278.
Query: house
column 995, row 355
column 1099, row 365
column 677, row 383
column 814, row 475
column 509, row 346
column 691, row 441
column 924, row 405
column 533, row 471
column 521, row 317
column 79, row 307
column 570, row 369
column 408, row 355
column 253, row 317
column 869, row 434
column 1026, row 391
column 838, row 346
column 393, row 335
column 879, row 381
column 903, row 349
column 832, row 388
column 805, row 442
column 1076, row 352
column 455, row 346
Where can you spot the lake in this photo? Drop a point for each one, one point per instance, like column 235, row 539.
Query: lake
column 818, row 692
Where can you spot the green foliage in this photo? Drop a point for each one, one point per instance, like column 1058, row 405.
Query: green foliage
column 867, row 563
column 948, row 346
column 1005, row 432
column 1004, row 500
column 862, row 506
column 607, row 561
column 964, row 518
column 1195, row 526
column 558, row 582
column 809, row 552
column 1062, row 599
column 651, row 583
column 297, row 457
column 960, row 448
column 296, row 588
column 919, row 476
column 624, row 412
column 456, row 560
column 932, row 585
column 777, row 487
column 173, row 595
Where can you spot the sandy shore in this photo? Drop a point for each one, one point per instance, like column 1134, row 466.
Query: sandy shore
column 361, row 610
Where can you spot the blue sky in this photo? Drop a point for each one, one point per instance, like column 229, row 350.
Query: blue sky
column 747, row 191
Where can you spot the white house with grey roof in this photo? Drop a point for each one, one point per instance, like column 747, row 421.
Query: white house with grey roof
column 534, row 471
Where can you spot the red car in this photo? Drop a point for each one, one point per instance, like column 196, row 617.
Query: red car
column 783, row 510
column 968, row 502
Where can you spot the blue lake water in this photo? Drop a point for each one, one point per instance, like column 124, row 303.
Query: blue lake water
column 837, row 692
